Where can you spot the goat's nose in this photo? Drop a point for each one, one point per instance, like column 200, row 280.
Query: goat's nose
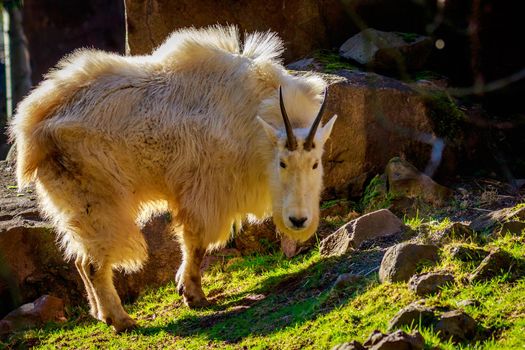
column 297, row 222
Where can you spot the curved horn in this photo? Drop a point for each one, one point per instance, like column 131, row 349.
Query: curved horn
column 309, row 142
column 291, row 142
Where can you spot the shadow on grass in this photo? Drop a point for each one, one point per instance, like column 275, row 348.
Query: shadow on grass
column 278, row 302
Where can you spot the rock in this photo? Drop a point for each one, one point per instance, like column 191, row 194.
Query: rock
column 346, row 280
column 401, row 261
column 467, row 254
column 400, row 340
column 489, row 220
column 512, row 227
column 306, row 64
column 260, row 237
column 45, row 309
column 35, row 266
column 430, row 282
column 69, row 27
column 387, row 50
column 456, row 326
column 378, row 118
column 404, row 180
column 468, row 302
column 455, row 231
column 353, row 345
column 379, row 223
column 414, row 314
column 374, row 338
column 496, row 263
column 304, row 25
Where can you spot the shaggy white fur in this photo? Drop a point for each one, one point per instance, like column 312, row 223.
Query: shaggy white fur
column 110, row 139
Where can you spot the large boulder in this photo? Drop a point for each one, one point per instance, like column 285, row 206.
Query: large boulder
column 379, row 118
column 69, row 26
column 31, row 264
column 305, row 25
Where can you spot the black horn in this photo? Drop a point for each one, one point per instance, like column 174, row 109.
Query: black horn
column 309, row 142
column 291, row 142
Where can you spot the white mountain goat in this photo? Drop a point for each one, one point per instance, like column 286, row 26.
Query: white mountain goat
column 197, row 126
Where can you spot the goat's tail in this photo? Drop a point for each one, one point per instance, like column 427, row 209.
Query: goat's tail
column 28, row 131
column 32, row 135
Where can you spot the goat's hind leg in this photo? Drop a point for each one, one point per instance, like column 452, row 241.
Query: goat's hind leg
column 84, row 267
column 188, row 276
column 110, row 308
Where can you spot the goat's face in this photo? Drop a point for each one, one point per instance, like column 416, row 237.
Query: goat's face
column 296, row 175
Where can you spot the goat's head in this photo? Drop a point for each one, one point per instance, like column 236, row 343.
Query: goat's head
column 296, row 173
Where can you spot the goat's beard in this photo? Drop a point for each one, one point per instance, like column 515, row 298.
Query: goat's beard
column 298, row 235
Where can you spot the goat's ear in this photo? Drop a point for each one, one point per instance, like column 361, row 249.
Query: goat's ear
column 327, row 129
column 270, row 131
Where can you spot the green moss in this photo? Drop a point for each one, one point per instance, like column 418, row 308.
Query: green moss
column 332, row 62
column 408, row 37
column 375, row 196
column 448, row 119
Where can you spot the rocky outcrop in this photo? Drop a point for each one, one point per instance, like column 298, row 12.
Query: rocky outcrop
column 380, row 223
column 33, row 265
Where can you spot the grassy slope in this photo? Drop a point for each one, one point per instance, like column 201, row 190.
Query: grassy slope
column 269, row 302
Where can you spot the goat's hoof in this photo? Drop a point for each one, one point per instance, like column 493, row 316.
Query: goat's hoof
column 180, row 289
column 124, row 325
column 196, row 303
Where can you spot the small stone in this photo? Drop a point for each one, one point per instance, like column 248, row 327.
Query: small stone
column 430, row 282
column 512, row 227
column 489, row 220
column 45, row 309
column 401, row 261
column 496, row 263
column 376, row 224
column 353, row 345
column 468, row 302
column 346, row 280
column 374, row 338
column 456, row 326
column 380, row 49
column 400, row 340
column 467, row 254
column 406, row 181
column 412, row 315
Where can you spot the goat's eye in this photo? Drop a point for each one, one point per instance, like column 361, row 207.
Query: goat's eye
column 282, row 164
column 315, row 165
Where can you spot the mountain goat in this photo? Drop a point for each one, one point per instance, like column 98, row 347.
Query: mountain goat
column 211, row 129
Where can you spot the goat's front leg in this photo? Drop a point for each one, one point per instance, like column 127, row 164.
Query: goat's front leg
column 188, row 276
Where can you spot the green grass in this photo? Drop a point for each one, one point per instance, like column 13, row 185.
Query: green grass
column 269, row 302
